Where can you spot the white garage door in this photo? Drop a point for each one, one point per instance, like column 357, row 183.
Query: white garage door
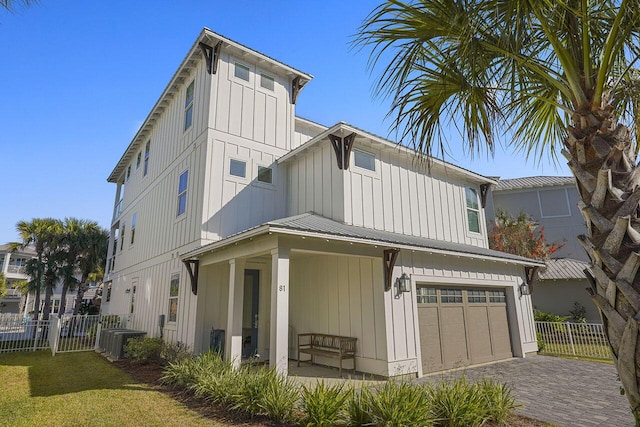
column 460, row 327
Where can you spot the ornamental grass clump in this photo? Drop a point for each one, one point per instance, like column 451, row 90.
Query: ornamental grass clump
column 249, row 390
column 460, row 403
column 499, row 401
column 325, row 405
column 280, row 398
column 397, row 404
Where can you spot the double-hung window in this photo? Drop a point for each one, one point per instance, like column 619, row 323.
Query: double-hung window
column 188, row 107
column 147, row 150
column 182, row 192
column 174, row 287
column 134, row 219
column 473, row 210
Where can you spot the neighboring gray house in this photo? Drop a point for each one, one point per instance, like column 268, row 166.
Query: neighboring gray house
column 552, row 201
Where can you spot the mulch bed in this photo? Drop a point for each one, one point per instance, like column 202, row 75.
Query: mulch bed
column 150, row 376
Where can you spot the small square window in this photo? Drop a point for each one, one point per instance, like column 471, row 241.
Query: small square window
column 241, row 72
column 238, row 168
column 451, row 296
column 265, row 174
column 364, row 160
column 497, row 296
column 267, row 82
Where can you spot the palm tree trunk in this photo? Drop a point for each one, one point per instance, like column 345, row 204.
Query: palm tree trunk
column 601, row 156
column 46, row 311
column 36, row 306
column 63, row 300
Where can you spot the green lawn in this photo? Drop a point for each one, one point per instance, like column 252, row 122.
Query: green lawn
column 81, row 389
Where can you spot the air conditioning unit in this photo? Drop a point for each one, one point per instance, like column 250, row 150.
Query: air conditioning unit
column 115, row 350
column 106, row 337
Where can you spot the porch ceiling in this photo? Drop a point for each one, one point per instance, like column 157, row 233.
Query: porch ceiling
column 313, row 225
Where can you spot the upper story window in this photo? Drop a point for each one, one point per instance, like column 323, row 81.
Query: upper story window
column 241, row 72
column 128, row 175
column 473, row 210
column 138, row 160
column 134, row 219
column 147, row 150
column 554, row 203
column 364, row 160
column 122, row 230
column 238, row 168
column 267, row 82
column 188, row 107
column 182, row 192
column 265, row 174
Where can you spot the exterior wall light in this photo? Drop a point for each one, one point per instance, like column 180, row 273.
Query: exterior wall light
column 403, row 284
column 524, row 289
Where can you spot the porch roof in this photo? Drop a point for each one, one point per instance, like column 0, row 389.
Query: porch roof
column 312, row 225
column 564, row 269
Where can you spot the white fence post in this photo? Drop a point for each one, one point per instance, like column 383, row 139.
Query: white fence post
column 573, row 348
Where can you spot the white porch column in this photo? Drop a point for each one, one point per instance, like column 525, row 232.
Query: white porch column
column 279, row 334
column 233, row 346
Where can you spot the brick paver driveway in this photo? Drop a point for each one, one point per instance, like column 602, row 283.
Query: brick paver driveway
column 567, row 393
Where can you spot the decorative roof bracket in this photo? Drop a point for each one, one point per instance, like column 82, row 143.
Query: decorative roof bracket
column 342, row 147
column 390, row 257
column 296, row 86
column 192, row 268
column 530, row 276
column 484, row 190
column 212, row 56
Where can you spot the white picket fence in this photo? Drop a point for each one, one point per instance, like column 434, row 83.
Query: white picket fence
column 573, row 339
column 60, row 334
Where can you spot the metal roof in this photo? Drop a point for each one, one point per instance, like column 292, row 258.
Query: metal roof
column 563, row 269
column 533, row 182
column 23, row 251
column 311, row 224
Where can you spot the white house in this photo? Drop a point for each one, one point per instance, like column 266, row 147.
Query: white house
column 232, row 213
column 12, row 265
column 552, row 201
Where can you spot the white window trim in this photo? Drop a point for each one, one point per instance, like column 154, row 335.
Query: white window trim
column 259, row 74
column 467, row 209
column 268, row 185
column 177, row 298
column 248, row 172
column 232, row 72
column 566, row 198
column 185, row 192
column 361, row 170
column 189, row 106
column 134, row 223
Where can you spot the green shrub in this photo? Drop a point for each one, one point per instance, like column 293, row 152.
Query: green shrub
column 280, row 398
column 458, row 403
column 251, row 386
column 398, row 404
column 144, row 350
column 357, row 409
column 499, row 402
column 541, row 316
column 324, row 405
column 171, row 353
column 540, row 340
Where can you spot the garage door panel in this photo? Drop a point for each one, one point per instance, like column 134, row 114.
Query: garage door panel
column 479, row 334
column 430, row 335
column 454, row 337
column 501, row 341
column 459, row 326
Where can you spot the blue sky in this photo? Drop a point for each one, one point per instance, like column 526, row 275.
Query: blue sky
column 79, row 77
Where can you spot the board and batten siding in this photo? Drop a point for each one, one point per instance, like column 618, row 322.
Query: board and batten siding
column 304, row 131
column 232, row 204
column 341, row 295
column 246, row 109
column 403, row 198
column 153, row 279
column 315, row 183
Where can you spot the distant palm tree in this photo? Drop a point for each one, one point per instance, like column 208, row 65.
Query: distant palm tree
column 11, row 5
column 44, row 234
column 551, row 75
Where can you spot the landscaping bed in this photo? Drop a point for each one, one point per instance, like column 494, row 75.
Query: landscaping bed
column 151, row 375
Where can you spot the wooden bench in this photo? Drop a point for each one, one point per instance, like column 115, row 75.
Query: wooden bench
column 332, row 346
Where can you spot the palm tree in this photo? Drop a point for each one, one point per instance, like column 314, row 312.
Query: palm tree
column 92, row 259
column 551, row 75
column 44, row 235
column 10, row 5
